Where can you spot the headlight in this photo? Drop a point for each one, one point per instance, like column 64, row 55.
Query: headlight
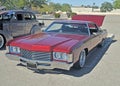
column 62, row 56
column 13, row 49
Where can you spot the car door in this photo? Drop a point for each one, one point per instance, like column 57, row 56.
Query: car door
column 17, row 25
column 30, row 21
column 94, row 35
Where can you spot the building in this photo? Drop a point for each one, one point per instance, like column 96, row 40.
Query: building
column 79, row 9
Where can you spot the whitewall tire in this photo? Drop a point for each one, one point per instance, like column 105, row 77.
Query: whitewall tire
column 81, row 62
column 2, row 41
column 82, row 58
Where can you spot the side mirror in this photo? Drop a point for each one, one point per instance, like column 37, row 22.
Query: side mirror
column 41, row 24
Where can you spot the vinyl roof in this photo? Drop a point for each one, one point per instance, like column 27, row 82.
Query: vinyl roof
column 72, row 21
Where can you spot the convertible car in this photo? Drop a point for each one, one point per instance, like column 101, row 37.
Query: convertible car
column 62, row 45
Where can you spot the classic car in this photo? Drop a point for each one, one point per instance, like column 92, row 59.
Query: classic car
column 14, row 23
column 63, row 44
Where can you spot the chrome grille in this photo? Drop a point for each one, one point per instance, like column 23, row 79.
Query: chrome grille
column 42, row 56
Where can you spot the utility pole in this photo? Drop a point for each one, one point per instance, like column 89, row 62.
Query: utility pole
column 93, row 7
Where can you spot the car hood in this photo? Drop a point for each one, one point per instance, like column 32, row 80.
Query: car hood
column 48, row 42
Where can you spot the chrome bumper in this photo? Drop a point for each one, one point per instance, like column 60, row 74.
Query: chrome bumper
column 36, row 64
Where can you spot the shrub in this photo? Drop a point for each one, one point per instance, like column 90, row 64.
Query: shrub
column 72, row 14
column 57, row 15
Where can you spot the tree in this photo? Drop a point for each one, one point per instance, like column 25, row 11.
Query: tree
column 13, row 4
column 46, row 9
column 66, row 8
column 106, row 6
column 57, row 7
column 36, row 3
column 116, row 4
column 17, row 4
column 52, row 6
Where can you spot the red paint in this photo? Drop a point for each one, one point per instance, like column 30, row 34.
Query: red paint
column 48, row 42
column 98, row 19
column 65, row 47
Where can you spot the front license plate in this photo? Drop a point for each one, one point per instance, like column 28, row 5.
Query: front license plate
column 31, row 65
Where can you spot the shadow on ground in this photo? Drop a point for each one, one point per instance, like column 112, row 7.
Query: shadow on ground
column 93, row 59
column 4, row 48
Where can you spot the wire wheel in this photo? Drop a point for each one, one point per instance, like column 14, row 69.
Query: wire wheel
column 82, row 58
column 81, row 62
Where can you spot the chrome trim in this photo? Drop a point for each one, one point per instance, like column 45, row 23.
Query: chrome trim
column 12, row 57
column 88, row 29
column 41, row 64
column 43, row 56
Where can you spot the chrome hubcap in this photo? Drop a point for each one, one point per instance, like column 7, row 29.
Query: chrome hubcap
column 1, row 41
column 82, row 58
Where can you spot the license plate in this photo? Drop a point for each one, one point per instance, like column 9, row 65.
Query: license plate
column 31, row 65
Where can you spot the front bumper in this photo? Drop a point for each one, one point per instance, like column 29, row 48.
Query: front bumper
column 36, row 64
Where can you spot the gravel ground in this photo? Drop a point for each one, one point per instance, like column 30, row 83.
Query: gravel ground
column 101, row 69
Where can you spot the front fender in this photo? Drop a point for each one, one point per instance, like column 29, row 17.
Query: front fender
column 6, row 35
column 35, row 29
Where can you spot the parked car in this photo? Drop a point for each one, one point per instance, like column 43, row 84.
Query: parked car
column 64, row 44
column 16, row 23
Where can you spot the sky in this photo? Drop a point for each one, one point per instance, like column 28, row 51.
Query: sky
column 81, row 2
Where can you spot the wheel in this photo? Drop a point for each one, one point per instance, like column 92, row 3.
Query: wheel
column 81, row 62
column 35, row 29
column 2, row 41
column 32, row 31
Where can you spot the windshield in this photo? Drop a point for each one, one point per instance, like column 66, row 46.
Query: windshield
column 5, row 16
column 72, row 28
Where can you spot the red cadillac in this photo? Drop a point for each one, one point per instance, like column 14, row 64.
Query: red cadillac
column 63, row 44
